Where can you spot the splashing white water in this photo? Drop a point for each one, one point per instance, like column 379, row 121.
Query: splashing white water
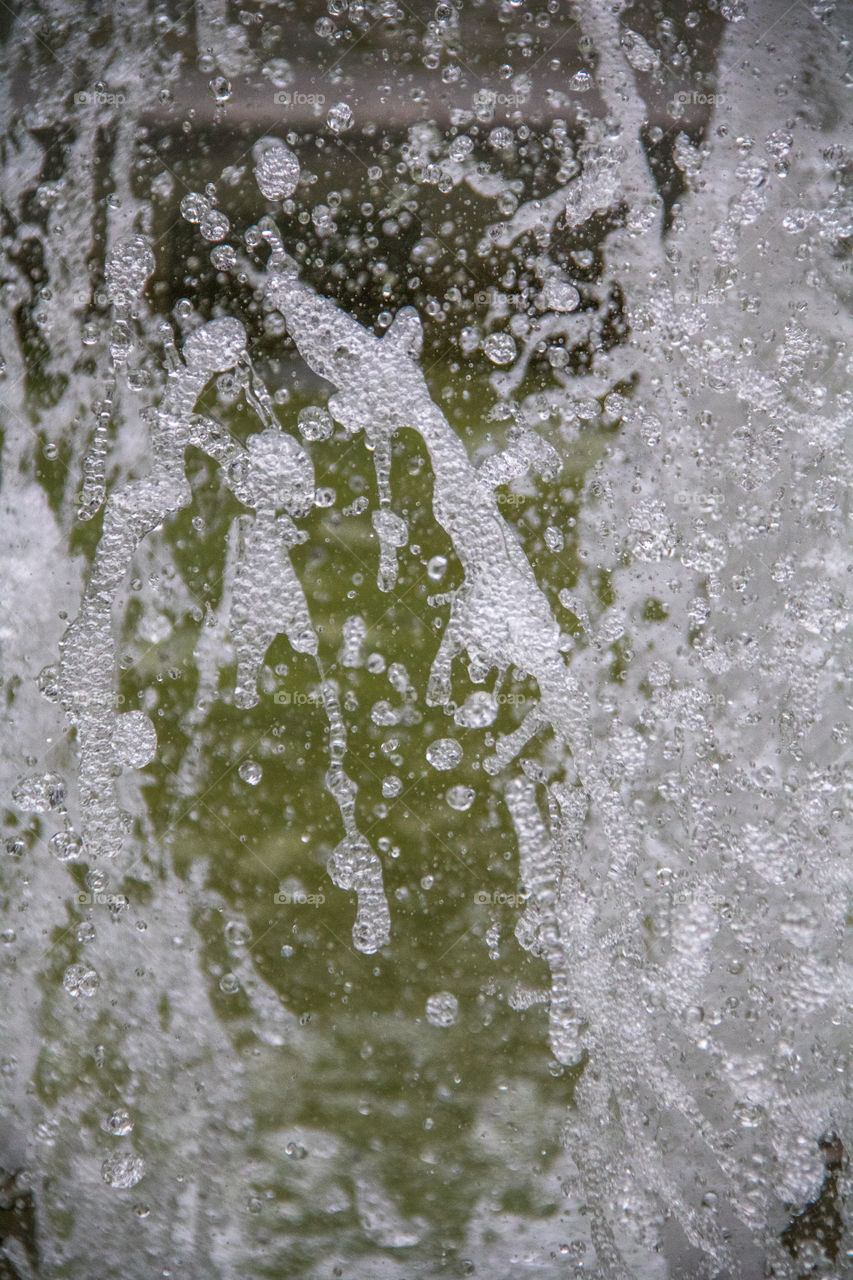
column 676, row 785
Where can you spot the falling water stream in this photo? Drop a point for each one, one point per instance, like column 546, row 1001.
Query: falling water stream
column 425, row 640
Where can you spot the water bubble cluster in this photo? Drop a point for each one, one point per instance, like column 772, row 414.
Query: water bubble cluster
column 276, row 170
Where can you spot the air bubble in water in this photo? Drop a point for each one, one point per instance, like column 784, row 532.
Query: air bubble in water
column 436, row 567
column 444, row 753
column 461, row 147
column 559, row 295
column 119, row 1123
column 354, row 631
column 478, row 710
column 214, row 225
column 123, row 1171
column 66, row 846
column 279, row 474
column 639, row 53
column 237, row 933
column 128, row 268
column 250, row 771
column 315, row 423
column 276, row 170
column 194, row 206
column 38, row 793
column 500, row 348
column 48, row 682
column 224, row 257
column 460, row 797
column 80, row 980
column 134, row 739
column 340, row 117
column 501, row 138
column 220, row 88
column 216, row 346
column 442, row 1009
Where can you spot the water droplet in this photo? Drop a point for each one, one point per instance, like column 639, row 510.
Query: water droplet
column 460, row 798
column 123, row 1171
column 40, row 792
column 479, row 709
column 276, row 170
column 79, row 980
column 48, row 682
column 444, row 753
column 66, row 846
column 128, row 268
column 500, row 348
column 559, row 295
column 501, row 138
column 250, row 772
column 460, row 148
column 315, row 423
column 581, row 82
column 340, row 117
column 194, row 206
column 220, row 88
column 237, row 933
column 216, row 346
column 442, row 1009
column 119, row 1124
column 134, row 739
column 224, row 257
column 214, row 225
